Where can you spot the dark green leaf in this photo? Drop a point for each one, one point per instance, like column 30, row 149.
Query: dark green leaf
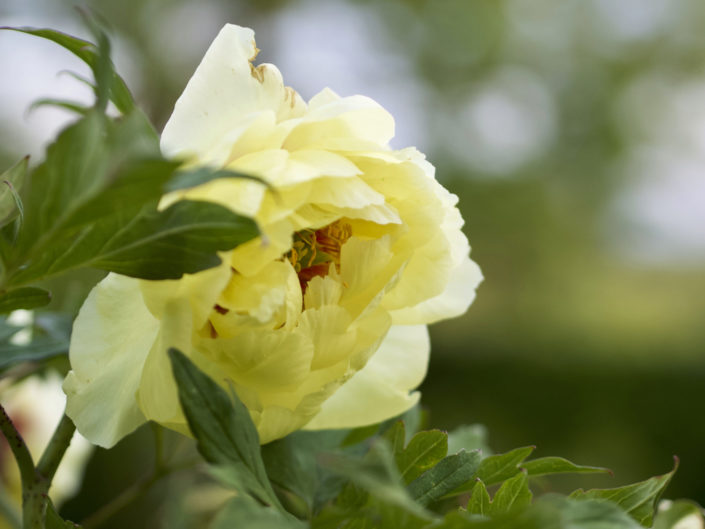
column 181, row 239
column 558, row 465
column 480, row 500
column 184, row 238
column 246, row 512
column 38, row 349
column 448, row 474
column 11, row 182
column 222, row 427
column 87, row 52
column 513, row 494
column 24, row 298
column 54, row 521
column 194, row 177
column 677, row 512
column 423, row 451
column 638, row 499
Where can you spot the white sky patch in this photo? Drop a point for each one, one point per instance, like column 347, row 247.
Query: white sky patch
column 31, row 69
column 507, row 121
column 340, row 46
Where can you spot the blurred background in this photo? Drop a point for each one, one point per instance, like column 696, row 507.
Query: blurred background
column 573, row 132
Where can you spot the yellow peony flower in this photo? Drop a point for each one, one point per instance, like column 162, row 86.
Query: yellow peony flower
column 321, row 321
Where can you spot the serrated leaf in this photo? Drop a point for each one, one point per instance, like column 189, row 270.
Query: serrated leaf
column 11, row 182
column 448, row 474
column 223, row 429
column 423, row 451
column 513, row 494
column 243, row 510
column 559, row 465
column 479, row 500
column 497, row 468
column 638, row 500
column 88, row 53
column 686, row 513
column 24, row 298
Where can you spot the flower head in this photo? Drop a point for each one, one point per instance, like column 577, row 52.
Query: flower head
column 321, row 321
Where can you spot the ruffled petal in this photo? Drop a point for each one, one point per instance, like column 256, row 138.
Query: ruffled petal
column 380, row 390
column 454, row 301
column 224, row 91
column 111, row 338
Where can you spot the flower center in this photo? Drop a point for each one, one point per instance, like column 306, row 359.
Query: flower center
column 314, row 250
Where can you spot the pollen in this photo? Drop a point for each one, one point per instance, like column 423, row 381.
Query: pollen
column 313, row 250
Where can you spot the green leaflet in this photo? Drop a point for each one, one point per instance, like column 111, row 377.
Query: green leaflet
column 24, row 298
column 226, row 436
column 638, row 499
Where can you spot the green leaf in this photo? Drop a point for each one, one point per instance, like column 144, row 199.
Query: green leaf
column 376, row 473
column 181, row 239
column 243, row 511
column 479, row 500
column 638, row 499
column 71, row 106
column 24, row 298
column 54, row 521
column 448, row 474
column 677, row 512
column 38, row 349
column 88, row 53
column 184, row 238
column 513, row 494
column 559, row 465
column 497, row 468
column 11, row 182
column 201, row 175
column 222, row 427
column 423, row 451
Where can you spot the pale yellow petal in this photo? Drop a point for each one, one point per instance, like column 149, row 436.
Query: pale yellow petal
column 224, row 90
column 201, row 290
column 157, row 394
column 380, row 390
column 452, row 302
column 111, row 338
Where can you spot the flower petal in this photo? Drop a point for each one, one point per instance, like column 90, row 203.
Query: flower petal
column 381, row 389
column 225, row 90
column 454, row 301
column 111, row 338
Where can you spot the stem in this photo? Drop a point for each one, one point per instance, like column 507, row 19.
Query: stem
column 18, row 447
column 55, row 450
column 35, row 496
